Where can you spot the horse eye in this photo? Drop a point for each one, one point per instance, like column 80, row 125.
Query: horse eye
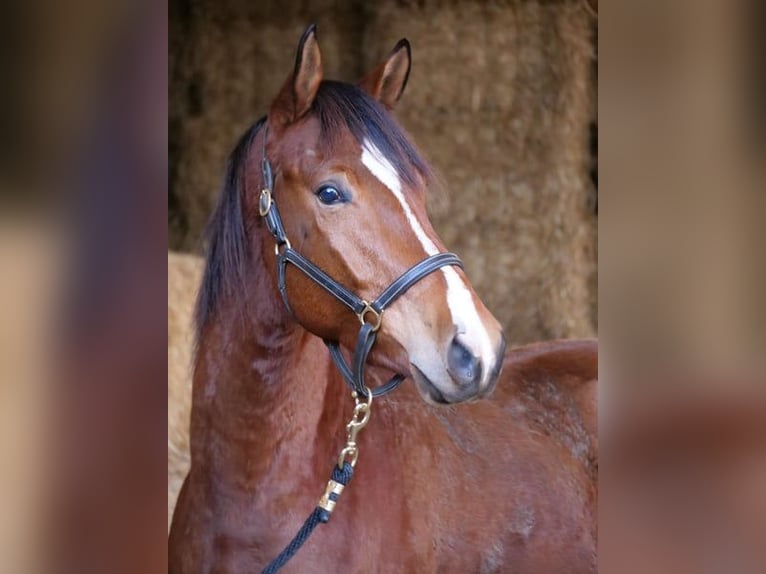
column 328, row 195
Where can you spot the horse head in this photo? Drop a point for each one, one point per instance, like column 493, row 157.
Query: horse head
column 351, row 190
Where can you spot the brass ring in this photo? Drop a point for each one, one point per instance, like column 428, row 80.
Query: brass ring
column 351, row 451
column 277, row 246
column 357, row 402
column 370, row 309
column 265, row 202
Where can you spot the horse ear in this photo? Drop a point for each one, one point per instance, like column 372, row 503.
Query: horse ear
column 298, row 92
column 387, row 81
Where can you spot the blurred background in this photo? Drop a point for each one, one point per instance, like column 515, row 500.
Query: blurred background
column 682, row 323
column 83, row 242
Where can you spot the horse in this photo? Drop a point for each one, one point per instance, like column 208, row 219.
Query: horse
column 484, row 460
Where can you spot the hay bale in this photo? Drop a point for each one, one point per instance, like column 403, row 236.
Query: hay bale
column 500, row 100
column 184, row 275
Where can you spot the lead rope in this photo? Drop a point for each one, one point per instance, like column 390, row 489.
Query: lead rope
column 342, row 473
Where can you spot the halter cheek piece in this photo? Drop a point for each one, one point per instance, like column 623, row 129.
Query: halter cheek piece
column 370, row 314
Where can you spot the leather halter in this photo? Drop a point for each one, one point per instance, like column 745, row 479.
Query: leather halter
column 370, row 314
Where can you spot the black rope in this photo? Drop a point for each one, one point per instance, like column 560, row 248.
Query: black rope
column 318, row 516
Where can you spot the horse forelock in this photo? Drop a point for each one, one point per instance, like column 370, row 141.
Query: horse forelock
column 340, row 106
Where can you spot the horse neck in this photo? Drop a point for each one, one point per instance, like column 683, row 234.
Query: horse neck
column 265, row 393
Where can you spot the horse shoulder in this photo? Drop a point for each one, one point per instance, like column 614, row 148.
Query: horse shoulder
column 557, row 382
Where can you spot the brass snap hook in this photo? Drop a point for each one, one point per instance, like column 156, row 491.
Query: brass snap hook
column 361, row 409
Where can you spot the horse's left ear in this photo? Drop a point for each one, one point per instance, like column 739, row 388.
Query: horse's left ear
column 386, row 83
column 300, row 89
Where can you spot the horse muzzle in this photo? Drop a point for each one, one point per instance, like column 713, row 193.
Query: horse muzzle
column 467, row 377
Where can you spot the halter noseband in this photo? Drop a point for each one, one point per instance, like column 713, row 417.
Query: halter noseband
column 370, row 314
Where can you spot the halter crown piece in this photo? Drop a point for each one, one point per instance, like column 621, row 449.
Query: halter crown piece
column 369, row 313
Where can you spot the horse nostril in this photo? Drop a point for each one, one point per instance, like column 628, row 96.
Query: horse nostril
column 462, row 364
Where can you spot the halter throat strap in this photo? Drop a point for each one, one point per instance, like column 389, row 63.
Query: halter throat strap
column 370, row 314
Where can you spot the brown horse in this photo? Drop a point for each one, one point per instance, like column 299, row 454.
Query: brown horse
column 493, row 485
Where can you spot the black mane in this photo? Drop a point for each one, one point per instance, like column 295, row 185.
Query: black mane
column 338, row 106
column 225, row 235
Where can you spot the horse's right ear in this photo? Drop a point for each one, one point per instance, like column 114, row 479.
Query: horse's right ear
column 386, row 82
column 298, row 92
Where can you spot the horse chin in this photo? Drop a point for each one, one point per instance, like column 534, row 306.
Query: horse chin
column 432, row 394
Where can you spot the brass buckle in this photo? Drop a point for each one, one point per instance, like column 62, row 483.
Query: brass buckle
column 378, row 316
column 265, row 202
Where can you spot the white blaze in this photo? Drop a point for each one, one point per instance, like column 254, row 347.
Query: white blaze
column 461, row 304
